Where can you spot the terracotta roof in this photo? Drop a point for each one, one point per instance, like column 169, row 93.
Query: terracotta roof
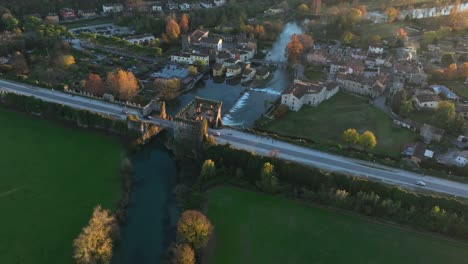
column 300, row 88
column 196, row 35
column 424, row 98
column 217, row 66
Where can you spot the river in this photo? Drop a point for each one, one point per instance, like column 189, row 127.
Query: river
column 152, row 212
column 243, row 108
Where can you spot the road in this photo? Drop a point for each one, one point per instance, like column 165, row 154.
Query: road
column 261, row 145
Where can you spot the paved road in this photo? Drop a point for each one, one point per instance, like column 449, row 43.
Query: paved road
column 261, row 145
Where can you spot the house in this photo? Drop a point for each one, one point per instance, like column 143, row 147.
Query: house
column 194, row 38
column 190, row 58
column 360, row 84
column 212, row 43
column 430, row 133
column 112, row 8
column 206, row 4
column 218, row 69
column 462, row 109
column 222, row 56
column 229, row 62
column 462, row 158
column 416, row 151
column 248, row 74
column 184, row 6
column 170, row 5
column 446, row 92
column 157, row 8
column 376, row 48
column 67, row 13
column 144, row 39
column 408, row 124
column 411, row 72
column 52, row 18
column 262, row 73
column 87, row 13
column 426, row 101
column 307, row 93
column 219, row 2
column 317, row 56
column 234, row 70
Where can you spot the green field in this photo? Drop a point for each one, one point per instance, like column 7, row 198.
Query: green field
column 326, row 123
column 458, row 87
column 51, row 179
column 252, row 227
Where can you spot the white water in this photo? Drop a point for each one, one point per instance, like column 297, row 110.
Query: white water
column 227, row 119
column 266, row 90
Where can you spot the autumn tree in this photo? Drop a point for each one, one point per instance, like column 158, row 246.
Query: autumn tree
column 444, row 112
column 182, row 254
column 294, row 48
column 94, row 243
column 268, row 179
column 208, row 170
column 315, row 6
column 65, row 61
column 194, row 229
column 463, row 71
column 259, row 31
column 19, row 64
column 306, row 40
column 350, row 136
column 122, row 83
column 367, row 140
column 94, row 84
column 349, row 38
column 354, row 15
column 376, row 39
column 184, row 23
column 303, row 9
column 167, row 89
column 391, row 13
column 451, row 71
column 193, row 70
column 172, row 29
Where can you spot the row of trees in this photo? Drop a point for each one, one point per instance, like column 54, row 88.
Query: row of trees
column 366, row 140
column 174, row 29
column 120, row 83
column 451, row 72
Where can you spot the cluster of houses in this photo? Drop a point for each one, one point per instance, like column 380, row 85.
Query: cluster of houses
column 158, row 6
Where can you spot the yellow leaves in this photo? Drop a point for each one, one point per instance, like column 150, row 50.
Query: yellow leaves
column 194, row 228
column 122, row 83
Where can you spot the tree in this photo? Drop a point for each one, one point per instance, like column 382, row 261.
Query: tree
column 367, row 140
column 208, row 170
column 445, row 111
column 122, row 83
column 463, row 72
column 315, row 6
column 94, row 84
column 65, row 61
column 402, row 33
column 391, row 13
column 184, row 23
column 303, row 9
column 192, row 70
column 451, row 71
column 259, row 31
column 349, row 38
column 9, row 22
column 167, row 89
column 354, row 15
column 306, row 40
column 376, row 39
column 350, row 136
column 294, row 48
column 194, row 229
column 397, row 100
column 447, row 59
column 268, row 179
column 172, row 29
column 19, row 64
column 94, row 243
column 406, row 108
column 182, row 254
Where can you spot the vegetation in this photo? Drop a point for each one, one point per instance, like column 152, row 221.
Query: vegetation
column 194, row 229
column 52, row 178
column 326, row 123
column 258, row 228
column 96, row 240
column 122, row 84
column 182, row 254
column 167, row 89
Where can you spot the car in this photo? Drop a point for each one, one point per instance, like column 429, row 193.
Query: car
column 420, row 183
column 124, row 112
column 216, row 134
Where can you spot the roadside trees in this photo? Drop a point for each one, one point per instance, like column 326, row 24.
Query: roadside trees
column 122, row 83
column 367, row 140
column 208, row 170
column 350, row 136
column 94, row 84
column 268, row 178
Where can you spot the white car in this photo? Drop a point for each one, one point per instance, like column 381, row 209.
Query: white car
column 216, row 134
column 420, row 183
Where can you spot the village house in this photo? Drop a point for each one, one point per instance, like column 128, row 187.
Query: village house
column 317, row 56
column 184, row 6
column 219, row 2
column 411, row 72
column 262, row 73
column 430, row 133
column 218, row 69
column 417, row 152
column 67, row 13
column 190, row 58
column 194, row 38
column 462, row 109
column 212, row 43
column 112, row 8
column 207, row 4
column 144, row 39
column 462, row 158
column 360, row 84
column 426, row 101
column 87, row 13
column 170, row 5
column 222, row 56
column 248, row 74
column 157, row 7
column 234, row 70
column 376, row 48
column 307, row 93
column 52, row 18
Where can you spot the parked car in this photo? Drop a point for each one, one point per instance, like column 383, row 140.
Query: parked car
column 216, row 134
column 420, row 183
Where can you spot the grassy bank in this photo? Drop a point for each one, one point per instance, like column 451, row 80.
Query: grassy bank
column 52, row 177
column 258, row 228
column 326, row 123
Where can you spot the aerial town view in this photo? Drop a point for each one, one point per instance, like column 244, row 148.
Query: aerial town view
column 233, row 131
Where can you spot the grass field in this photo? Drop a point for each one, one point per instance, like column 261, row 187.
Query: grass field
column 258, row 228
column 326, row 123
column 458, row 87
column 51, row 178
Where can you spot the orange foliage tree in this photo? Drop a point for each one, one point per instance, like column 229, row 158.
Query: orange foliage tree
column 182, row 254
column 306, row 41
column 184, row 23
column 94, row 84
column 122, row 83
column 463, row 72
column 451, row 71
column 294, row 48
column 172, row 29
